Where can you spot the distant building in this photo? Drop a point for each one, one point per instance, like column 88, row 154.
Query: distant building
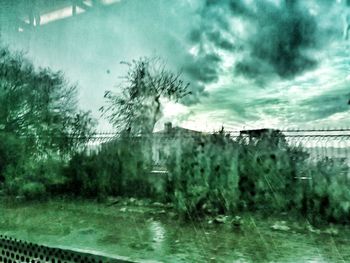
column 258, row 133
column 273, row 137
column 162, row 140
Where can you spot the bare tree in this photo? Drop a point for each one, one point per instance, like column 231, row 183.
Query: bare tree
column 138, row 107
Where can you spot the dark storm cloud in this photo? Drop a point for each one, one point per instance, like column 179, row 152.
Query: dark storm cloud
column 220, row 41
column 277, row 38
column 283, row 35
column 325, row 105
column 204, row 68
column 241, row 106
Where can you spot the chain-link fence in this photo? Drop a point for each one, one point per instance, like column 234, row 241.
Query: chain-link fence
column 319, row 144
column 332, row 143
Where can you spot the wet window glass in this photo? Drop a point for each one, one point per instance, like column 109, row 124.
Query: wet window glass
column 174, row 131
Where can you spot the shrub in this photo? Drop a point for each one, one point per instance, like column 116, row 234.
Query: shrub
column 34, row 178
column 81, row 174
column 120, row 167
column 11, row 151
column 203, row 175
column 327, row 197
column 267, row 172
column 275, row 177
column 33, row 190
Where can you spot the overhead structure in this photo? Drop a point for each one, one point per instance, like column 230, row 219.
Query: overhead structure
column 24, row 15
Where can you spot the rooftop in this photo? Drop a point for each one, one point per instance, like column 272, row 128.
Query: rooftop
column 170, row 130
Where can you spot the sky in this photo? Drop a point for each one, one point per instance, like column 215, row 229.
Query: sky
column 250, row 63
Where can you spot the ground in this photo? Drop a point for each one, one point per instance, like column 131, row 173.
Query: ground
column 152, row 232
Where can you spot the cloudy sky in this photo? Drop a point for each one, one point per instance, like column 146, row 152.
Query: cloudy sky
column 251, row 63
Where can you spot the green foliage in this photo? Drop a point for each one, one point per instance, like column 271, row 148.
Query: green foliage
column 327, row 194
column 34, row 178
column 86, row 177
column 41, row 106
column 276, row 177
column 120, row 167
column 40, row 126
column 11, row 151
column 203, row 175
column 33, row 191
column 267, row 171
column 213, row 174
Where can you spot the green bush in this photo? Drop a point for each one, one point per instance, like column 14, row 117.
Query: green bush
column 34, row 178
column 119, row 168
column 267, row 172
column 327, row 195
column 33, row 190
column 275, row 177
column 82, row 174
column 39, row 120
column 203, row 175
column 11, row 152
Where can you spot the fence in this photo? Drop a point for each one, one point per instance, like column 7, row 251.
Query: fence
column 332, row 143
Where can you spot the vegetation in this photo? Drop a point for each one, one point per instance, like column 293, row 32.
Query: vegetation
column 40, row 106
column 40, row 125
column 138, row 107
column 326, row 197
column 118, row 168
column 43, row 135
column 212, row 174
column 203, row 175
column 267, row 169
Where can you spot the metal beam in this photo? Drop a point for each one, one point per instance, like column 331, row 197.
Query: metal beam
column 14, row 250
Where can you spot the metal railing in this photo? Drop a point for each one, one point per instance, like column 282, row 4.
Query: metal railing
column 17, row 251
column 333, row 143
